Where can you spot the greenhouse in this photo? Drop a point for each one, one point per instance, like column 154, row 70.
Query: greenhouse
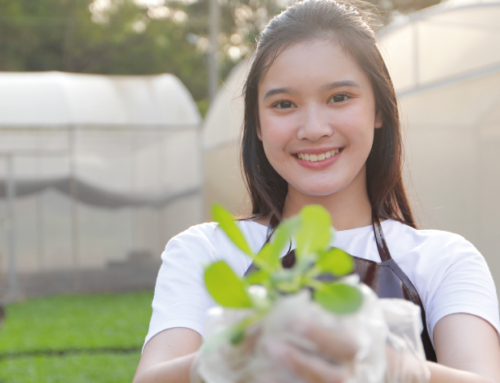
column 445, row 65
column 220, row 134
column 96, row 174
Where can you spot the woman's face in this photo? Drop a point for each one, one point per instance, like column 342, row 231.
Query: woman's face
column 317, row 118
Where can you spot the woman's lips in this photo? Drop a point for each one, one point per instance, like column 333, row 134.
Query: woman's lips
column 319, row 164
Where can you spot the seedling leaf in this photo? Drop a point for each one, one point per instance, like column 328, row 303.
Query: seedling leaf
column 227, row 224
column 284, row 232
column 257, row 277
column 314, row 234
column 225, row 287
column 267, row 258
column 335, row 261
column 339, row 298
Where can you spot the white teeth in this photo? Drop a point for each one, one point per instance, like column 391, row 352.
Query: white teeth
column 317, row 157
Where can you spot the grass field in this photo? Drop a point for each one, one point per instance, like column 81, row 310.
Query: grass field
column 74, row 338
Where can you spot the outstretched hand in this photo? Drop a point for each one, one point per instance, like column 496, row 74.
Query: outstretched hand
column 334, row 362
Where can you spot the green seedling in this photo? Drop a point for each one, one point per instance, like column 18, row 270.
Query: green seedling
column 313, row 232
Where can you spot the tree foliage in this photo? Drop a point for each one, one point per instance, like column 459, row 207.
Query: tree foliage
column 138, row 36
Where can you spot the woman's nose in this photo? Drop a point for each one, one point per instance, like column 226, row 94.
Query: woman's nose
column 314, row 124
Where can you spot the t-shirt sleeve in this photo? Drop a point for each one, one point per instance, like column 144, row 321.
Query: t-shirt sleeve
column 463, row 285
column 180, row 298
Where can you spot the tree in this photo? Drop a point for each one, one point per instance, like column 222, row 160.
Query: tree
column 138, row 36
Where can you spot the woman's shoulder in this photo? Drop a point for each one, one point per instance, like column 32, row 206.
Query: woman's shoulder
column 204, row 234
column 209, row 242
column 210, row 231
column 404, row 238
column 448, row 271
column 202, row 231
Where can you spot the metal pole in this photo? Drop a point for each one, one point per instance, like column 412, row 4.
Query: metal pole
column 74, row 211
column 204, row 212
column 133, row 209
column 213, row 67
column 161, row 189
column 39, row 222
column 13, row 291
column 416, row 54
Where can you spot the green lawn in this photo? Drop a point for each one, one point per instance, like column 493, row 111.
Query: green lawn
column 109, row 368
column 88, row 325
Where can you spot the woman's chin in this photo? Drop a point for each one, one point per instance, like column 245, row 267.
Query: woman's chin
column 318, row 190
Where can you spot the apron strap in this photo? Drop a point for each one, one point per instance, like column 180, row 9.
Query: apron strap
column 385, row 256
column 383, row 250
column 412, row 292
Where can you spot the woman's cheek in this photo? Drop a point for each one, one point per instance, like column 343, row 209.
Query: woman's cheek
column 359, row 133
column 269, row 142
column 276, row 135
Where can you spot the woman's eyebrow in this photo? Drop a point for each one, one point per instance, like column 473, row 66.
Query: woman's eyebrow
column 272, row 92
column 329, row 86
column 339, row 84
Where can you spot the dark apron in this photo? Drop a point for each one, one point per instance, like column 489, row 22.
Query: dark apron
column 385, row 278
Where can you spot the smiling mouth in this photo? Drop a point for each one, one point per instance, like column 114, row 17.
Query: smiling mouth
column 318, row 157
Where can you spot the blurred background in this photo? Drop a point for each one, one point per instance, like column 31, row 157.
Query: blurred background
column 119, row 127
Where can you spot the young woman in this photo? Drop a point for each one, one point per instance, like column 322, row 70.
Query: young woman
column 321, row 127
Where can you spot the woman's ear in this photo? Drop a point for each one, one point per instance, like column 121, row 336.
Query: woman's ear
column 259, row 133
column 378, row 120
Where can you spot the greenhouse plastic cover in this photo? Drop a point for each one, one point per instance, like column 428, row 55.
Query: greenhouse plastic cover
column 57, row 98
column 49, row 119
column 224, row 119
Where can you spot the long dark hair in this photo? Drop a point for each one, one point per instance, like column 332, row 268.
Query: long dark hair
column 348, row 25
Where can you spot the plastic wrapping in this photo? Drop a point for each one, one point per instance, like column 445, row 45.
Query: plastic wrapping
column 406, row 356
column 387, row 332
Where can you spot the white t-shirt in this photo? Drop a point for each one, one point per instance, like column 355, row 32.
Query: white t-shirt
column 449, row 273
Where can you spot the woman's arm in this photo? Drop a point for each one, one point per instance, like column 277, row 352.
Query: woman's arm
column 467, row 348
column 168, row 356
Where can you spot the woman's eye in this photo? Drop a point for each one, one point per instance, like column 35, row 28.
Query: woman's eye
column 339, row 97
column 283, row 105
